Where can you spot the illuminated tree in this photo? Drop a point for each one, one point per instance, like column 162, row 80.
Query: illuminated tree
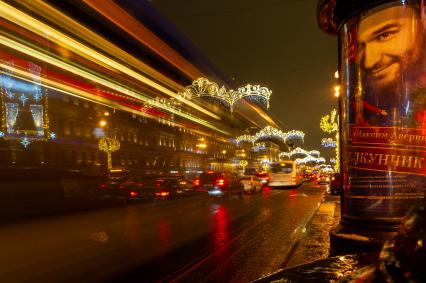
column 109, row 145
column 330, row 124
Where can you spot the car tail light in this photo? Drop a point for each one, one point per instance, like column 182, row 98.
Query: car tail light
column 103, row 186
column 267, row 178
column 133, row 194
column 120, row 187
column 162, row 194
column 220, row 182
column 196, row 182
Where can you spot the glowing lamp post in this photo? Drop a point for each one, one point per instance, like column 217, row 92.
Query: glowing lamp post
column 109, row 145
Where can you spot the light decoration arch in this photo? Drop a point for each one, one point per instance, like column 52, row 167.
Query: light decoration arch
column 202, row 87
column 271, row 132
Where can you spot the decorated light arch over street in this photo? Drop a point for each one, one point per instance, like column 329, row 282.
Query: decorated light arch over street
column 271, row 132
column 202, row 87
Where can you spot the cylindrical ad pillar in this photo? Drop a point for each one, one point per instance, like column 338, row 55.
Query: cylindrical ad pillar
column 383, row 71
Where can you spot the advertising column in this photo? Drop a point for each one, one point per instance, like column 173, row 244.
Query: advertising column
column 383, row 108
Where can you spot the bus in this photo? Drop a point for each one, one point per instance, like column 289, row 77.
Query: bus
column 284, row 174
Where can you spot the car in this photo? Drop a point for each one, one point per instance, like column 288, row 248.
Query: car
column 146, row 187
column 252, row 184
column 336, row 184
column 163, row 187
column 218, row 184
column 263, row 177
column 122, row 188
column 323, row 179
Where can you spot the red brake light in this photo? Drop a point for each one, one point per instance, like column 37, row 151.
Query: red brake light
column 196, row 182
column 103, row 186
column 220, row 182
column 134, row 194
column 120, row 187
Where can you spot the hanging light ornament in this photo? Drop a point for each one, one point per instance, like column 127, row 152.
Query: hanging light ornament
column 203, row 87
column 314, row 153
column 328, row 142
column 245, row 138
column 271, row 132
column 294, row 135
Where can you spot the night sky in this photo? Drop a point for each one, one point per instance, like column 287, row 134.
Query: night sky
column 272, row 42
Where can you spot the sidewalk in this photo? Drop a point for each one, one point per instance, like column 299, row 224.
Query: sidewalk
column 316, row 243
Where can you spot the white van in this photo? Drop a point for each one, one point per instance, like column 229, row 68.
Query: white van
column 284, row 174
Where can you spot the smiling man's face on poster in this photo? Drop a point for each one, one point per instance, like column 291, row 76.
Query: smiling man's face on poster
column 390, row 44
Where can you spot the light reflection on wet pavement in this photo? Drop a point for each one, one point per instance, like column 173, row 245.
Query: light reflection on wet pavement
column 196, row 239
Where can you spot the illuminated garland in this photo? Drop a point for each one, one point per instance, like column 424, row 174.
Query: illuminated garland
column 259, row 146
column 330, row 124
column 315, row 153
column 300, row 153
column 328, row 142
column 310, row 160
column 203, row 87
column 271, row 132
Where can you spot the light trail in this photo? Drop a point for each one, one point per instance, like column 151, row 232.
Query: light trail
column 18, row 17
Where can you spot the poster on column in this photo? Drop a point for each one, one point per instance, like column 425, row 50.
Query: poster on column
column 384, row 111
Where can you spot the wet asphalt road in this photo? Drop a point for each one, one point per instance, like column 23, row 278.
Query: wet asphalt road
column 191, row 239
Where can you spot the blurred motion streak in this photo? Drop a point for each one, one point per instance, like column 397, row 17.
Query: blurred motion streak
column 14, row 15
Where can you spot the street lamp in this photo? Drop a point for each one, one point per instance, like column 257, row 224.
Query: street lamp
column 337, row 91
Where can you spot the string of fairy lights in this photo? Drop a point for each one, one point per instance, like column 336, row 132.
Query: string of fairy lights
column 302, row 156
column 202, row 87
column 330, row 124
column 271, row 132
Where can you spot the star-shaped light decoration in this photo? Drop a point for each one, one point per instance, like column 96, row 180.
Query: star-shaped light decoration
column 23, row 99
column 52, row 135
column 25, row 142
column 1, row 134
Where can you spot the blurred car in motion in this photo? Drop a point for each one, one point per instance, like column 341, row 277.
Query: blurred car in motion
column 121, row 188
column 219, row 184
column 335, row 184
column 146, row 187
column 323, row 179
column 165, row 187
column 252, row 184
column 263, row 178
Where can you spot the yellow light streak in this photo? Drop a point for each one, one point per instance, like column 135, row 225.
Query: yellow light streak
column 45, row 82
column 14, row 15
column 88, row 35
column 132, row 93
